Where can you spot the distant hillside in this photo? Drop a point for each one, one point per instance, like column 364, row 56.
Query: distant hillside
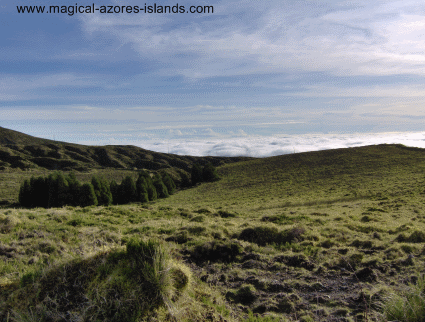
column 313, row 177
column 19, row 150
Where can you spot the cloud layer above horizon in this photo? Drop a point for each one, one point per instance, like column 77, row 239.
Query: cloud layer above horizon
column 252, row 69
column 261, row 146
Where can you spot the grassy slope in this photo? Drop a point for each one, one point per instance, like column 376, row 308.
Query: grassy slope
column 358, row 206
column 24, row 152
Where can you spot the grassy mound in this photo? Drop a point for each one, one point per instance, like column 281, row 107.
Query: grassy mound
column 119, row 285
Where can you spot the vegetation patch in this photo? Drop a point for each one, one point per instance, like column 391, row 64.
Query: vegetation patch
column 415, row 237
column 120, row 285
column 264, row 235
column 217, row 251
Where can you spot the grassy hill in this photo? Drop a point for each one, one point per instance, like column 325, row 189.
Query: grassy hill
column 18, row 150
column 23, row 156
column 333, row 235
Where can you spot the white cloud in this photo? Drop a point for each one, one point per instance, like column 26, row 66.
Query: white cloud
column 278, row 145
column 357, row 38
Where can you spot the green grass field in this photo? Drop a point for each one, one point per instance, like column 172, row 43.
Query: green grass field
column 334, row 235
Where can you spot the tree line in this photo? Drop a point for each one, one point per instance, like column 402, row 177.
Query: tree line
column 58, row 190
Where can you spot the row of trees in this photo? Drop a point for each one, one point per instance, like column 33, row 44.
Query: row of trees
column 59, row 190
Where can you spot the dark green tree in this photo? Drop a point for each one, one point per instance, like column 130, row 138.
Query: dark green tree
column 128, row 190
column 58, row 190
column 62, row 190
column 102, row 191
column 74, row 189
column 115, row 191
column 142, row 189
column 196, row 174
column 25, row 194
column 169, row 183
column 87, row 195
column 184, row 179
column 152, row 193
column 160, row 187
column 106, row 194
column 209, row 173
column 39, row 192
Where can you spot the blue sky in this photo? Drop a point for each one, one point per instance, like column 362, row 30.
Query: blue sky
column 251, row 72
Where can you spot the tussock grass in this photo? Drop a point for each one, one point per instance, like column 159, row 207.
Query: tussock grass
column 408, row 305
column 119, row 285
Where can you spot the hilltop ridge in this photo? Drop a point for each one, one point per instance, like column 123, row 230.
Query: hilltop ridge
column 19, row 150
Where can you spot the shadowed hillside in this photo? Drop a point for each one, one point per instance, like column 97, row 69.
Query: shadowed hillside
column 18, row 150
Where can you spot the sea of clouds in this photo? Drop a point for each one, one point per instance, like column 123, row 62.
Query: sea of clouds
column 261, row 146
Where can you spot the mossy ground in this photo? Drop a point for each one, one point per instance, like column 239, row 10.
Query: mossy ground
column 355, row 220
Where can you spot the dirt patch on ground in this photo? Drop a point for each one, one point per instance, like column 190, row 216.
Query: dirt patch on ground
column 295, row 285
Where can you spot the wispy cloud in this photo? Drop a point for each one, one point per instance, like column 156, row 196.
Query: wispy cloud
column 357, row 38
column 250, row 68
